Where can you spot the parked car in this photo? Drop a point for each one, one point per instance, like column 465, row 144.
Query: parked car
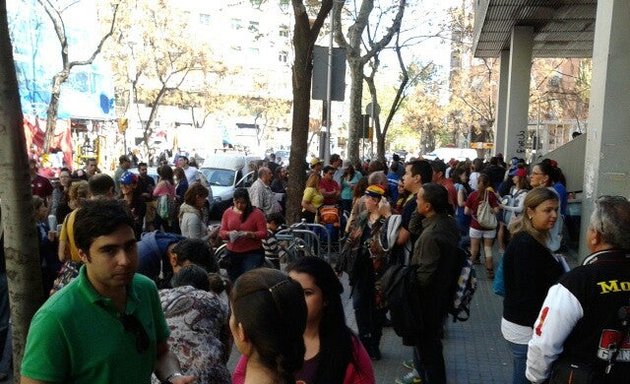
column 225, row 173
column 445, row 154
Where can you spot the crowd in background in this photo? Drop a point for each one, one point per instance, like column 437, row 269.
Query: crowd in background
column 293, row 327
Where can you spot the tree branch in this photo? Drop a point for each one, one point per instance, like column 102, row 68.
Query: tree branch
column 100, row 44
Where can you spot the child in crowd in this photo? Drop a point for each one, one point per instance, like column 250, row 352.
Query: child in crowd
column 273, row 251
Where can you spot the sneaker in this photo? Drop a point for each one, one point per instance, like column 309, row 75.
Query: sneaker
column 408, row 364
column 410, row 378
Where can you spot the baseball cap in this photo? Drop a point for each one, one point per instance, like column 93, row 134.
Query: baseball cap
column 128, row 178
column 520, row 172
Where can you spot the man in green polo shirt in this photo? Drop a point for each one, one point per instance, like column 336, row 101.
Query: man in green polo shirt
column 106, row 326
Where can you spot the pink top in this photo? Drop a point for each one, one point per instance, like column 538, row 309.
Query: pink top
column 231, row 221
column 164, row 188
column 363, row 375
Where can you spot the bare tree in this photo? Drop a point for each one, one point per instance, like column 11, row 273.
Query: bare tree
column 17, row 219
column 357, row 61
column 409, row 77
column 55, row 13
column 305, row 33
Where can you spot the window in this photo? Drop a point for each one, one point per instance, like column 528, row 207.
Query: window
column 283, row 56
column 284, row 5
column 204, row 19
column 254, row 27
column 283, row 31
column 254, row 52
column 236, row 24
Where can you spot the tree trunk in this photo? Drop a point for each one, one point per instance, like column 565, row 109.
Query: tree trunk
column 304, row 36
column 355, row 123
column 53, row 108
column 20, row 236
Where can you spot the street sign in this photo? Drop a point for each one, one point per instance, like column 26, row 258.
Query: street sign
column 373, row 111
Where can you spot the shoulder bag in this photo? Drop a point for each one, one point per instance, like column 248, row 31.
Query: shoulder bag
column 485, row 216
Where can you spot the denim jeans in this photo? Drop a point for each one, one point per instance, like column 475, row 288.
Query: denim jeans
column 519, row 359
column 369, row 318
column 243, row 262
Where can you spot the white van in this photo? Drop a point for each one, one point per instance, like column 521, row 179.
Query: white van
column 446, row 154
column 225, row 173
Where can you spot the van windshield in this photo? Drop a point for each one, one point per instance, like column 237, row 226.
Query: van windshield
column 219, row 177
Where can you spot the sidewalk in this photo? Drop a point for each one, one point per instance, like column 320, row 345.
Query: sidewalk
column 475, row 351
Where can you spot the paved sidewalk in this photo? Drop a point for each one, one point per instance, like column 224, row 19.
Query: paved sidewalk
column 474, row 351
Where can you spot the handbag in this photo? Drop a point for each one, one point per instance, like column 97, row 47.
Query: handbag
column 68, row 272
column 566, row 371
column 485, row 217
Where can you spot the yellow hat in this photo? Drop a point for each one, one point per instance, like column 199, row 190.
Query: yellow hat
column 315, row 161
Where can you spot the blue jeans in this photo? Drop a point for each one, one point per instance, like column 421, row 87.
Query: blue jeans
column 519, row 359
column 243, row 262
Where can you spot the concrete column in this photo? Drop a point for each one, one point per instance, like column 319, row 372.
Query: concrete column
column 607, row 164
column 518, row 91
column 499, row 125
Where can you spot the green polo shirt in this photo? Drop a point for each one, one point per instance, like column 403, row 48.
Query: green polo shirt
column 77, row 337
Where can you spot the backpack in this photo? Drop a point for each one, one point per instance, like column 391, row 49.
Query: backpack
column 509, row 200
column 399, row 287
column 168, row 207
column 329, row 214
column 465, row 287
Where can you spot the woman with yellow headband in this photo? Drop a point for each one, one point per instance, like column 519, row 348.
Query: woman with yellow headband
column 369, row 260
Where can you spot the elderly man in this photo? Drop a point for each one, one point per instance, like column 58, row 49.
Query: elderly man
column 106, row 326
column 260, row 192
column 581, row 322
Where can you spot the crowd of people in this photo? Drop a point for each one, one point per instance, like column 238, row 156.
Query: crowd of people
column 107, row 243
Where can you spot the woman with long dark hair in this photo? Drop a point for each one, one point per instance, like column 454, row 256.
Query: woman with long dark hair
column 331, row 347
column 244, row 227
column 267, row 323
column 165, row 187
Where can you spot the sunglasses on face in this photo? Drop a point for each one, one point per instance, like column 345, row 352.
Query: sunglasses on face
column 132, row 325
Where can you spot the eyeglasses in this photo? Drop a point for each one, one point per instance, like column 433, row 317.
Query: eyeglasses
column 132, row 325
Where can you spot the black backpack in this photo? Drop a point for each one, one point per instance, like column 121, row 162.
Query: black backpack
column 399, row 288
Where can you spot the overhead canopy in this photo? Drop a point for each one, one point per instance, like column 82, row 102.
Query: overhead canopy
column 562, row 28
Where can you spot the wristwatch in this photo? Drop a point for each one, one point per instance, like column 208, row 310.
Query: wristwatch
column 171, row 376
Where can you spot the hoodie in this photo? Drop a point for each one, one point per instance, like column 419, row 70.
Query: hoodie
column 152, row 248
